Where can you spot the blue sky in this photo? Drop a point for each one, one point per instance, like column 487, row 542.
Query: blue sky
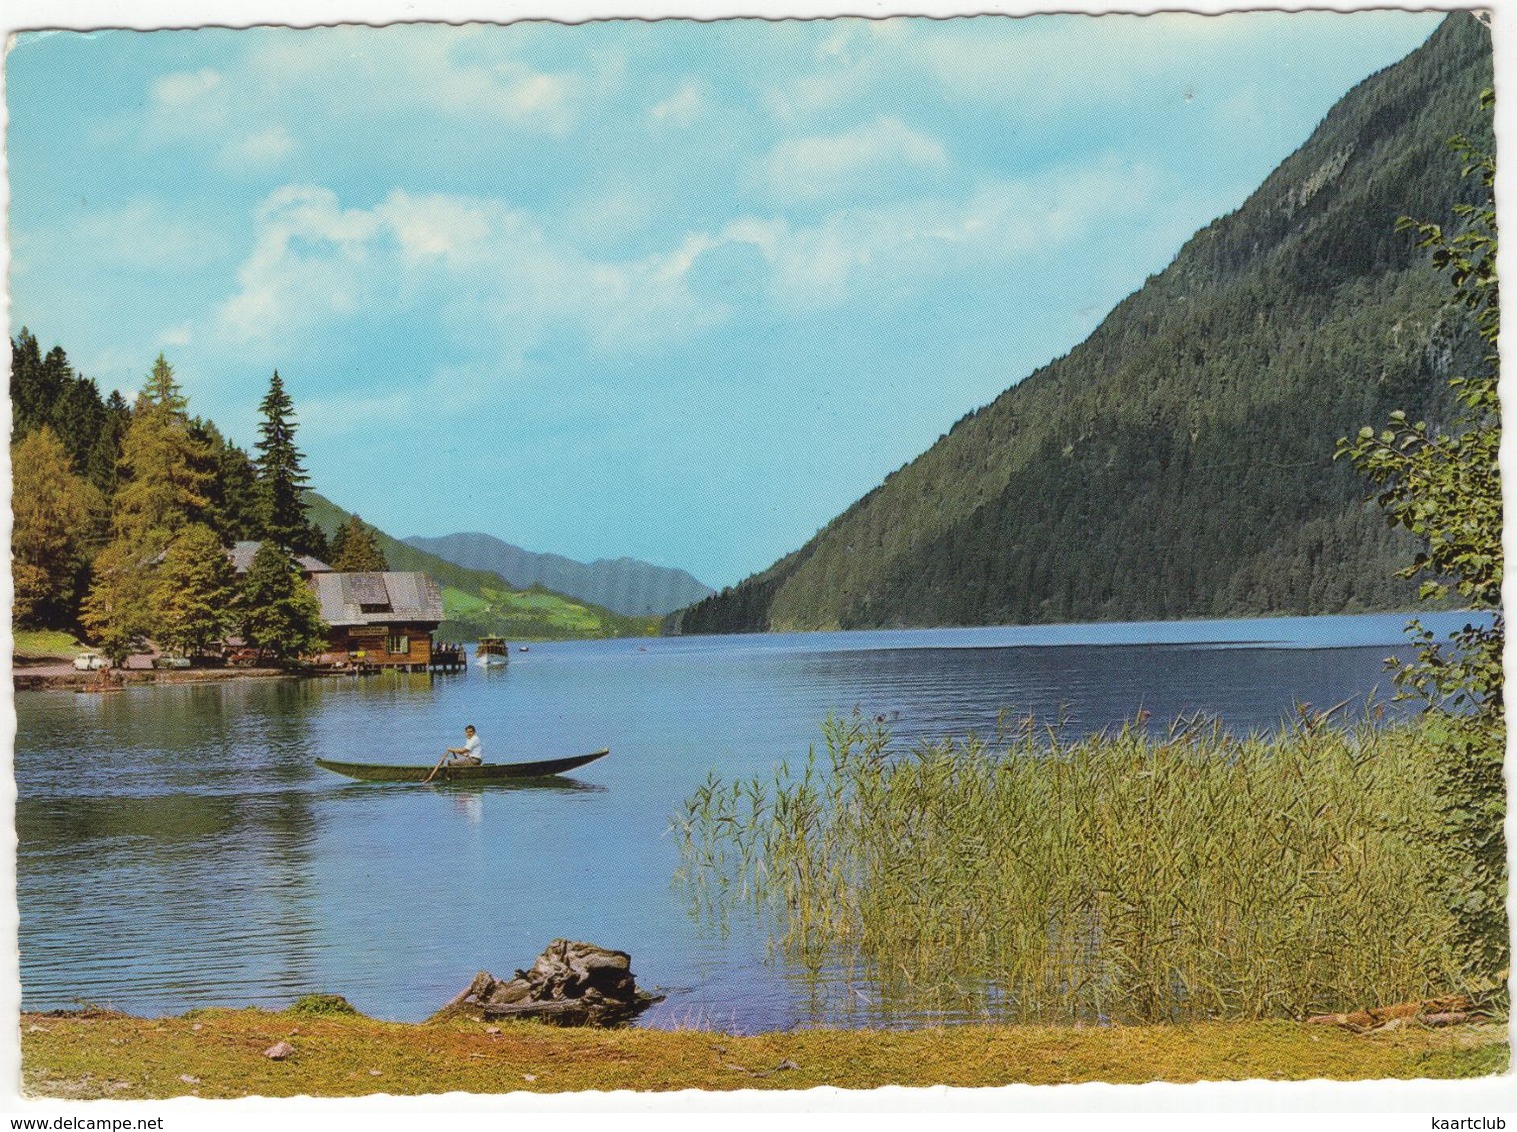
column 676, row 290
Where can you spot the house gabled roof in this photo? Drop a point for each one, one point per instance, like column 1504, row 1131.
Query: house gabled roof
column 242, row 559
column 378, row 598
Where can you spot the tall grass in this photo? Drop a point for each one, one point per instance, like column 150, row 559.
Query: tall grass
column 1122, row 876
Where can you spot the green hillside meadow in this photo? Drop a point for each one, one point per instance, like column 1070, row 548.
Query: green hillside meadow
column 478, row 603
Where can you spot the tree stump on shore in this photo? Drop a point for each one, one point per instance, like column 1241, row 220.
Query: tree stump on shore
column 571, row 984
column 1454, row 1010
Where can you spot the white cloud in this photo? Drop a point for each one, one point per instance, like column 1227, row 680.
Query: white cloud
column 859, row 56
column 436, row 228
column 479, row 271
column 508, row 91
column 302, row 268
column 807, row 96
column 811, row 168
column 467, row 71
column 181, row 88
column 913, row 244
column 189, row 104
column 479, row 267
column 608, row 218
column 260, row 150
column 681, row 108
column 141, row 235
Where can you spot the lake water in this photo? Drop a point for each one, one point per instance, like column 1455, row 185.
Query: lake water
column 178, row 848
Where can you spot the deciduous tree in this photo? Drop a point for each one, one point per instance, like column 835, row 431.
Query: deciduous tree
column 1446, row 489
column 118, row 610
column 54, row 516
column 161, row 490
column 162, row 472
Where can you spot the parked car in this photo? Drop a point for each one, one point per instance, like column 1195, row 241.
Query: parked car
column 243, row 658
column 171, row 662
column 90, row 661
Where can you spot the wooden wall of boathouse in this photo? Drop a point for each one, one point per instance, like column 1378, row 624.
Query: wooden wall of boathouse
column 376, row 642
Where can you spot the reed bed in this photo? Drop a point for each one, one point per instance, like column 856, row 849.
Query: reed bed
column 1123, row 876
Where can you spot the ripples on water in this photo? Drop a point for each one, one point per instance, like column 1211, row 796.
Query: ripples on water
column 178, row 847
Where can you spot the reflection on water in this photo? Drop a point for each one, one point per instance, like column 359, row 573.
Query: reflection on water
column 552, row 784
column 178, row 847
column 471, row 806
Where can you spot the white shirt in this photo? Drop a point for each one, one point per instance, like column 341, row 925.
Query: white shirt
column 472, row 747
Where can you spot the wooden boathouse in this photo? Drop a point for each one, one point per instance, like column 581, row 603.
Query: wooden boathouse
column 379, row 620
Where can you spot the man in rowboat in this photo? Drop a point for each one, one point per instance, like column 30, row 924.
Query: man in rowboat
column 470, row 754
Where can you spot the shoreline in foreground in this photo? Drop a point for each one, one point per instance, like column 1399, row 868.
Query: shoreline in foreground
column 223, row 1054
column 24, row 681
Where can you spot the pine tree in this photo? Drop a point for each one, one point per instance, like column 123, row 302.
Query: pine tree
column 281, row 475
column 355, row 549
column 77, row 416
column 278, row 612
column 338, row 547
column 236, row 504
column 193, row 591
column 316, row 544
column 105, row 453
column 46, row 391
column 27, row 397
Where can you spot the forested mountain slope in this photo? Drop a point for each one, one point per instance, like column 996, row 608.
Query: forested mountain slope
column 1178, row 462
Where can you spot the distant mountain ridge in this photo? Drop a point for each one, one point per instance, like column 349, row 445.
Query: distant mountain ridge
column 623, row 585
column 1179, row 461
column 480, row 602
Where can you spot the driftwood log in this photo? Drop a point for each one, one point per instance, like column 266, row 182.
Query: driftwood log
column 1452, row 1011
column 571, row 984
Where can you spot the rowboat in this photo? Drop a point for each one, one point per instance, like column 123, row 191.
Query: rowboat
column 485, row 772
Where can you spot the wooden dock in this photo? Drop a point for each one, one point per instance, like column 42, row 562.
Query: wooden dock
column 448, row 658
column 440, row 658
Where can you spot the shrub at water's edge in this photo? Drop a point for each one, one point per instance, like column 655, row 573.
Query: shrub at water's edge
column 1119, row 877
column 1446, row 490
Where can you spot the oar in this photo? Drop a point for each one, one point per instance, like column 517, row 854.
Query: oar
column 436, row 768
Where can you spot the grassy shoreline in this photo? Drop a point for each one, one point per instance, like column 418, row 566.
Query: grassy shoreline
column 219, row 1054
column 43, row 645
